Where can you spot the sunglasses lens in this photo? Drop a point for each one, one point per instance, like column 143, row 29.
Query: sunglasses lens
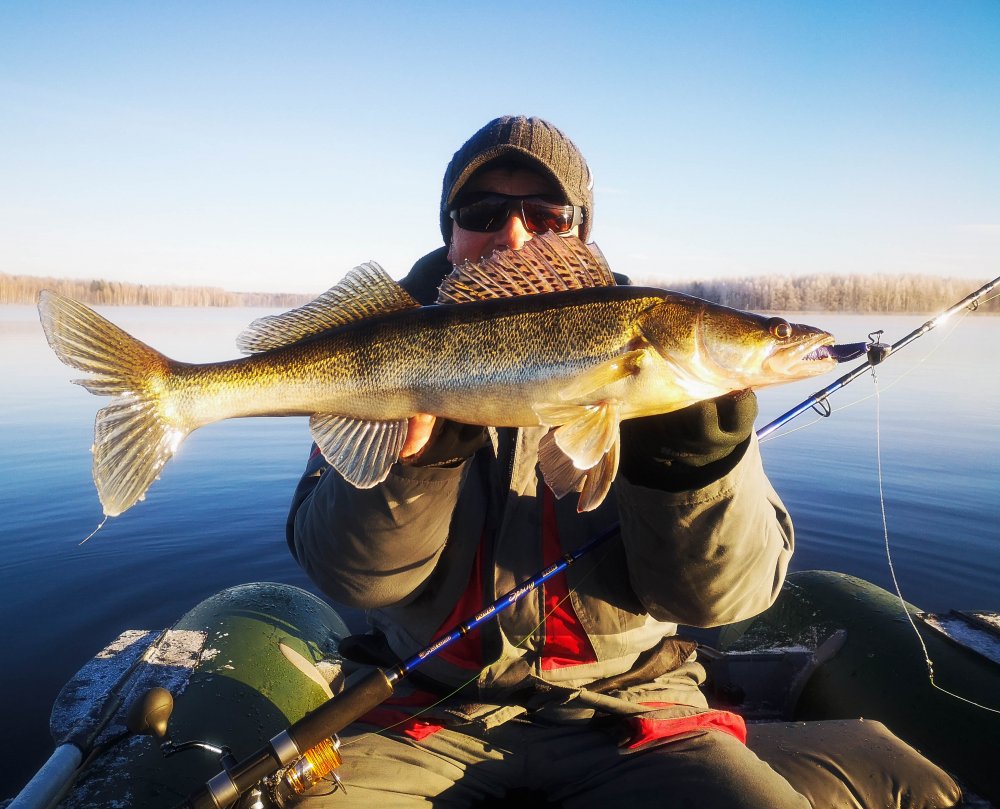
column 483, row 216
column 540, row 217
column 489, row 214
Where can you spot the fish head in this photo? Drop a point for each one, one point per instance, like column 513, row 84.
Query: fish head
column 732, row 349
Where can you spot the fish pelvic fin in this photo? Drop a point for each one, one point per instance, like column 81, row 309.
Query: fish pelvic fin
column 361, row 451
column 562, row 476
column 133, row 437
column 547, row 263
column 585, row 432
column 598, row 479
column 364, row 292
column 581, row 454
column 558, row 470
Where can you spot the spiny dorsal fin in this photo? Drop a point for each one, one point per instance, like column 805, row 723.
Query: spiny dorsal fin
column 364, row 292
column 547, row 263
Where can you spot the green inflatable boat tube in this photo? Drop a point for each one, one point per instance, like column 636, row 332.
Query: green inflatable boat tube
column 242, row 666
column 878, row 671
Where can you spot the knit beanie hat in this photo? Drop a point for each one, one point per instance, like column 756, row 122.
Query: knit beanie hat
column 531, row 142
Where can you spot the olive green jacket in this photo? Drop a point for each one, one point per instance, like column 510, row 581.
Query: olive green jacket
column 405, row 550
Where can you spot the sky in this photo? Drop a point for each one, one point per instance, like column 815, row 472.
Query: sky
column 265, row 146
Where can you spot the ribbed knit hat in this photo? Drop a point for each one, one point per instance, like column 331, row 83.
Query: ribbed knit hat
column 537, row 145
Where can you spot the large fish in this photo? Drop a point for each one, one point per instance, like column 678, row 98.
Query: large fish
column 537, row 336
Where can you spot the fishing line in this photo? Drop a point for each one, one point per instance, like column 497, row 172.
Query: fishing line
column 892, row 569
column 99, row 527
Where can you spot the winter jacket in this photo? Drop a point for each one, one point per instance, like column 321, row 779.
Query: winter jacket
column 431, row 545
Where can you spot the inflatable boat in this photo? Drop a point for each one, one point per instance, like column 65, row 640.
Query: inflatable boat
column 158, row 714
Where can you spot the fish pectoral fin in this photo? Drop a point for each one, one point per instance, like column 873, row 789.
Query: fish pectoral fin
column 362, row 451
column 364, row 292
column 563, row 477
column 547, row 263
column 584, row 432
column 599, row 377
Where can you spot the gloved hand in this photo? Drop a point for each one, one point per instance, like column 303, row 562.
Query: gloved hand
column 450, row 443
column 689, row 448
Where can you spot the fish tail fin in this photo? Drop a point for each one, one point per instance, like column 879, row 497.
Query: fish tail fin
column 133, row 436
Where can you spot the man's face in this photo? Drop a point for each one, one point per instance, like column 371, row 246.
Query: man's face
column 472, row 245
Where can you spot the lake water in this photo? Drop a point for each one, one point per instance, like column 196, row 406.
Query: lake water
column 217, row 517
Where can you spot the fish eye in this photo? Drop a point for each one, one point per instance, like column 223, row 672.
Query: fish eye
column 779, row 328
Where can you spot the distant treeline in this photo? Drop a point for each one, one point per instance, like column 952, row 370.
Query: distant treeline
column 835, row 293
column 771, row 293
column 25, row 289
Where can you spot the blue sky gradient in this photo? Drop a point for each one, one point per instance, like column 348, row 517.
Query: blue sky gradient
column 272, row 146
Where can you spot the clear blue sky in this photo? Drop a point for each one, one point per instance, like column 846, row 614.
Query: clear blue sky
column 272, row 146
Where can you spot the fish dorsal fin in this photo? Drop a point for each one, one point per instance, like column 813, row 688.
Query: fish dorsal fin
column 546, row 263
column 364, row 292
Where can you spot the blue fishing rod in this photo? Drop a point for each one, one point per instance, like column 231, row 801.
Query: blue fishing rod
column 874, row 352
column 299, row 757
column 296, row 759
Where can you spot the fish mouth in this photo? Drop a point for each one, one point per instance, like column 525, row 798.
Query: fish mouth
column 821, row 353
column 841, row 352
column 811, row 355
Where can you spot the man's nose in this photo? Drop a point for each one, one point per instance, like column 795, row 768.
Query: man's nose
column 513, row 235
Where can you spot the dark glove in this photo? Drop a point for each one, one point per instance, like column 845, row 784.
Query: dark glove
column 689, row 448
column 450, row 443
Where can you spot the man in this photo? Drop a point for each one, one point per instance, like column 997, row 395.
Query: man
column 581, row 692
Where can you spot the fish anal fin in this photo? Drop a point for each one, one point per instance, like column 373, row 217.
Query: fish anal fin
column 362, row 451
column 364, row 292
column 546, row 263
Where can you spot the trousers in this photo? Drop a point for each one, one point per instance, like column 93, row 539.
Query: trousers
column 574, row 766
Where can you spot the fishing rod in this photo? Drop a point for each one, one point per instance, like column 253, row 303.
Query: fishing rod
column 876, row 352
column 297, row 758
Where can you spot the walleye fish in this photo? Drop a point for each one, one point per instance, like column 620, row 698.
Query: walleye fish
column 540, row 336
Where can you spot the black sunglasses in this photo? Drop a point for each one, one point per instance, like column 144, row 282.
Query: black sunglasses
column 490, row 212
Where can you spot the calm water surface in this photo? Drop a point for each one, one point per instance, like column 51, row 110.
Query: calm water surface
column 216, row 518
